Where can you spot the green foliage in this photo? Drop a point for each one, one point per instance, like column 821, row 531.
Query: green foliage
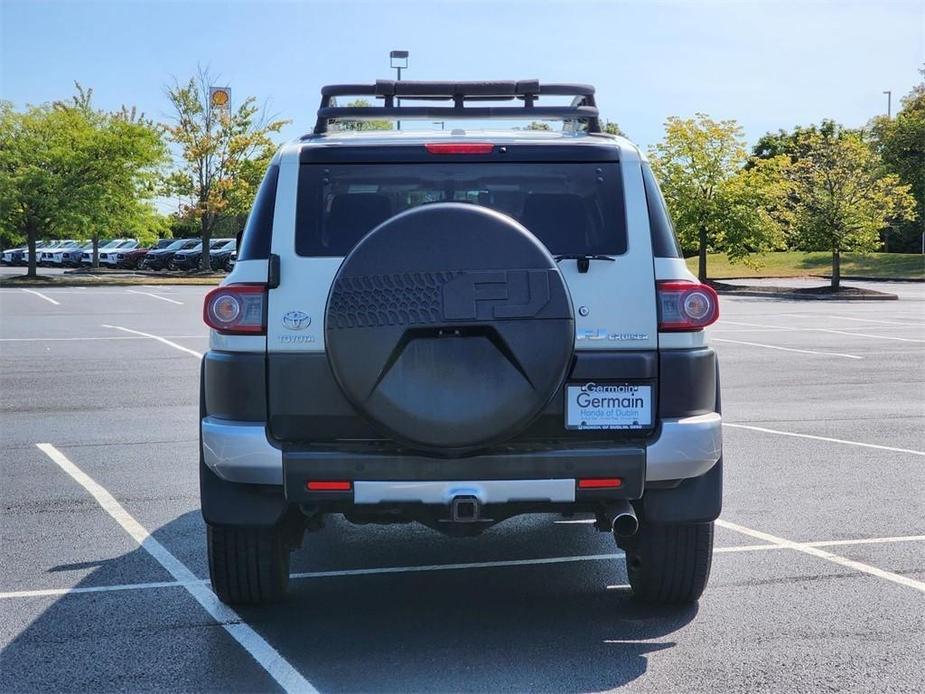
column 381, row 124
column 718, row 204
column 840, row 197
column 538, row 125
column 611, row 127
column 223, row 154
column 67, row 169
column 815, row 263
column 793, row 144
column 901, row 144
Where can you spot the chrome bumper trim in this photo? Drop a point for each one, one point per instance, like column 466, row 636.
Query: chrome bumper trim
column 487, row 491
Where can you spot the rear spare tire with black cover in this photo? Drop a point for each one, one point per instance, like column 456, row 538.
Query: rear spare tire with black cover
column 449, row 327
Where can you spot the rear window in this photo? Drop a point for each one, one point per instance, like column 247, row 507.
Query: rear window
column 572, row 208
column 255, row 241
column 664, row 241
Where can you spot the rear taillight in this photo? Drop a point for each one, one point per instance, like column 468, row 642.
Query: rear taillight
column 686, row 306
column 459, row 147
column 237, row 309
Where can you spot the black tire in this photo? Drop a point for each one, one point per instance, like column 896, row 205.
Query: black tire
column 669, row 564
column 248, row 566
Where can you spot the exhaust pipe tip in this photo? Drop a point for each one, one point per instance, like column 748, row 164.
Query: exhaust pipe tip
column 625, row 524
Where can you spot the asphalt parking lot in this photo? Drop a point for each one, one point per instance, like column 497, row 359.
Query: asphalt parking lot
column 818, row 582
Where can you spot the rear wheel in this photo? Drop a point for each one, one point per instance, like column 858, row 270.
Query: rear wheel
column 669, row 564
column 248, row 565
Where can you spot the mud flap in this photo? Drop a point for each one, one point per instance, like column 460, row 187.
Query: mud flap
column 696, row 500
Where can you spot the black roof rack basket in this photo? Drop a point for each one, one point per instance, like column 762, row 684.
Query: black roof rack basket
column 582, row 107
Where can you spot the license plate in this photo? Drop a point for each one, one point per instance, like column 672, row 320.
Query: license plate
column 608, row 406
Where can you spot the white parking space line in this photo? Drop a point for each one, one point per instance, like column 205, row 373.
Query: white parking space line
column 868, row 541
column 42, row 296
column 155, row 296
column 458, row 567
column 822, row 554
column 859, row 320
column 734, row 549
column 823, row 438
column 787, row 349
column 787, row 328
column 266, row 656
column 52, row 592
column 164, row 340
column 82, row 339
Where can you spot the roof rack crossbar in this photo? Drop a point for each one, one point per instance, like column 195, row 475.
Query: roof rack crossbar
column 582, row 107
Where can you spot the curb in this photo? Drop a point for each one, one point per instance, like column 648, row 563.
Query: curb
column 810, row 297
column 39, row 284
column 861, row 278
column 854, row 278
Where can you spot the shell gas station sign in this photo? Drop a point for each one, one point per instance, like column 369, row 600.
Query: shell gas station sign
column 220, row 98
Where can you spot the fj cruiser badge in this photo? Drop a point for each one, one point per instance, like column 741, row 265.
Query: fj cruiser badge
column 296, row 320
column 604, row 334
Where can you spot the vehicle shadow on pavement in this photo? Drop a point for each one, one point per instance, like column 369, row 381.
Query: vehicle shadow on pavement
column 536, row 627
column 539, row 627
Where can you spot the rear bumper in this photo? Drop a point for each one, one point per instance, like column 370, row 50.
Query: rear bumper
column 683, row 448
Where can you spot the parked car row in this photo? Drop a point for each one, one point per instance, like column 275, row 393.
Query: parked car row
column 186, row 254
column 166, row 254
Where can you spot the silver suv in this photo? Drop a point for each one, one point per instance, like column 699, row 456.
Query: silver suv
column 455, row 328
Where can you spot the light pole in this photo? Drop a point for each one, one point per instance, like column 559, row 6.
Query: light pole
column 889, row 103
column 399, row 61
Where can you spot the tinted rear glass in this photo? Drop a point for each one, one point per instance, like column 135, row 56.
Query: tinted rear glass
column 255, row 242
column 570, row 207
column 664, row 241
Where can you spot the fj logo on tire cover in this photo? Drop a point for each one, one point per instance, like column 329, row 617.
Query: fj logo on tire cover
column 496, row 295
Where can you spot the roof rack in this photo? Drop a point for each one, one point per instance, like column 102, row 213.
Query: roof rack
column 582, row 108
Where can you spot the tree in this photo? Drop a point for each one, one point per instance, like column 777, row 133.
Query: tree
column 793, row 144
column 35, row 160
column 841, row 198
column 67, row 169
column 538, row 125
column 716, row 203
column 611, row 127
column 380, row 124
column 222, row 152
column 123, row 156
column 900, row 143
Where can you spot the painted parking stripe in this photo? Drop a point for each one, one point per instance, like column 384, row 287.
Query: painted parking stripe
column 42, row 296
column 163, row 340
column 823, row 554
column 787, row 328
column 266, row 656
column 53, row 592
column 82, row 339
column 155, row 296
column 458, row 567
column 734, row 549
column 823, row 438
column 787, row 349
column 859, row 320
column 868, row 541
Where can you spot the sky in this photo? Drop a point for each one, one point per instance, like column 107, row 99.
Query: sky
column 768, row 64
